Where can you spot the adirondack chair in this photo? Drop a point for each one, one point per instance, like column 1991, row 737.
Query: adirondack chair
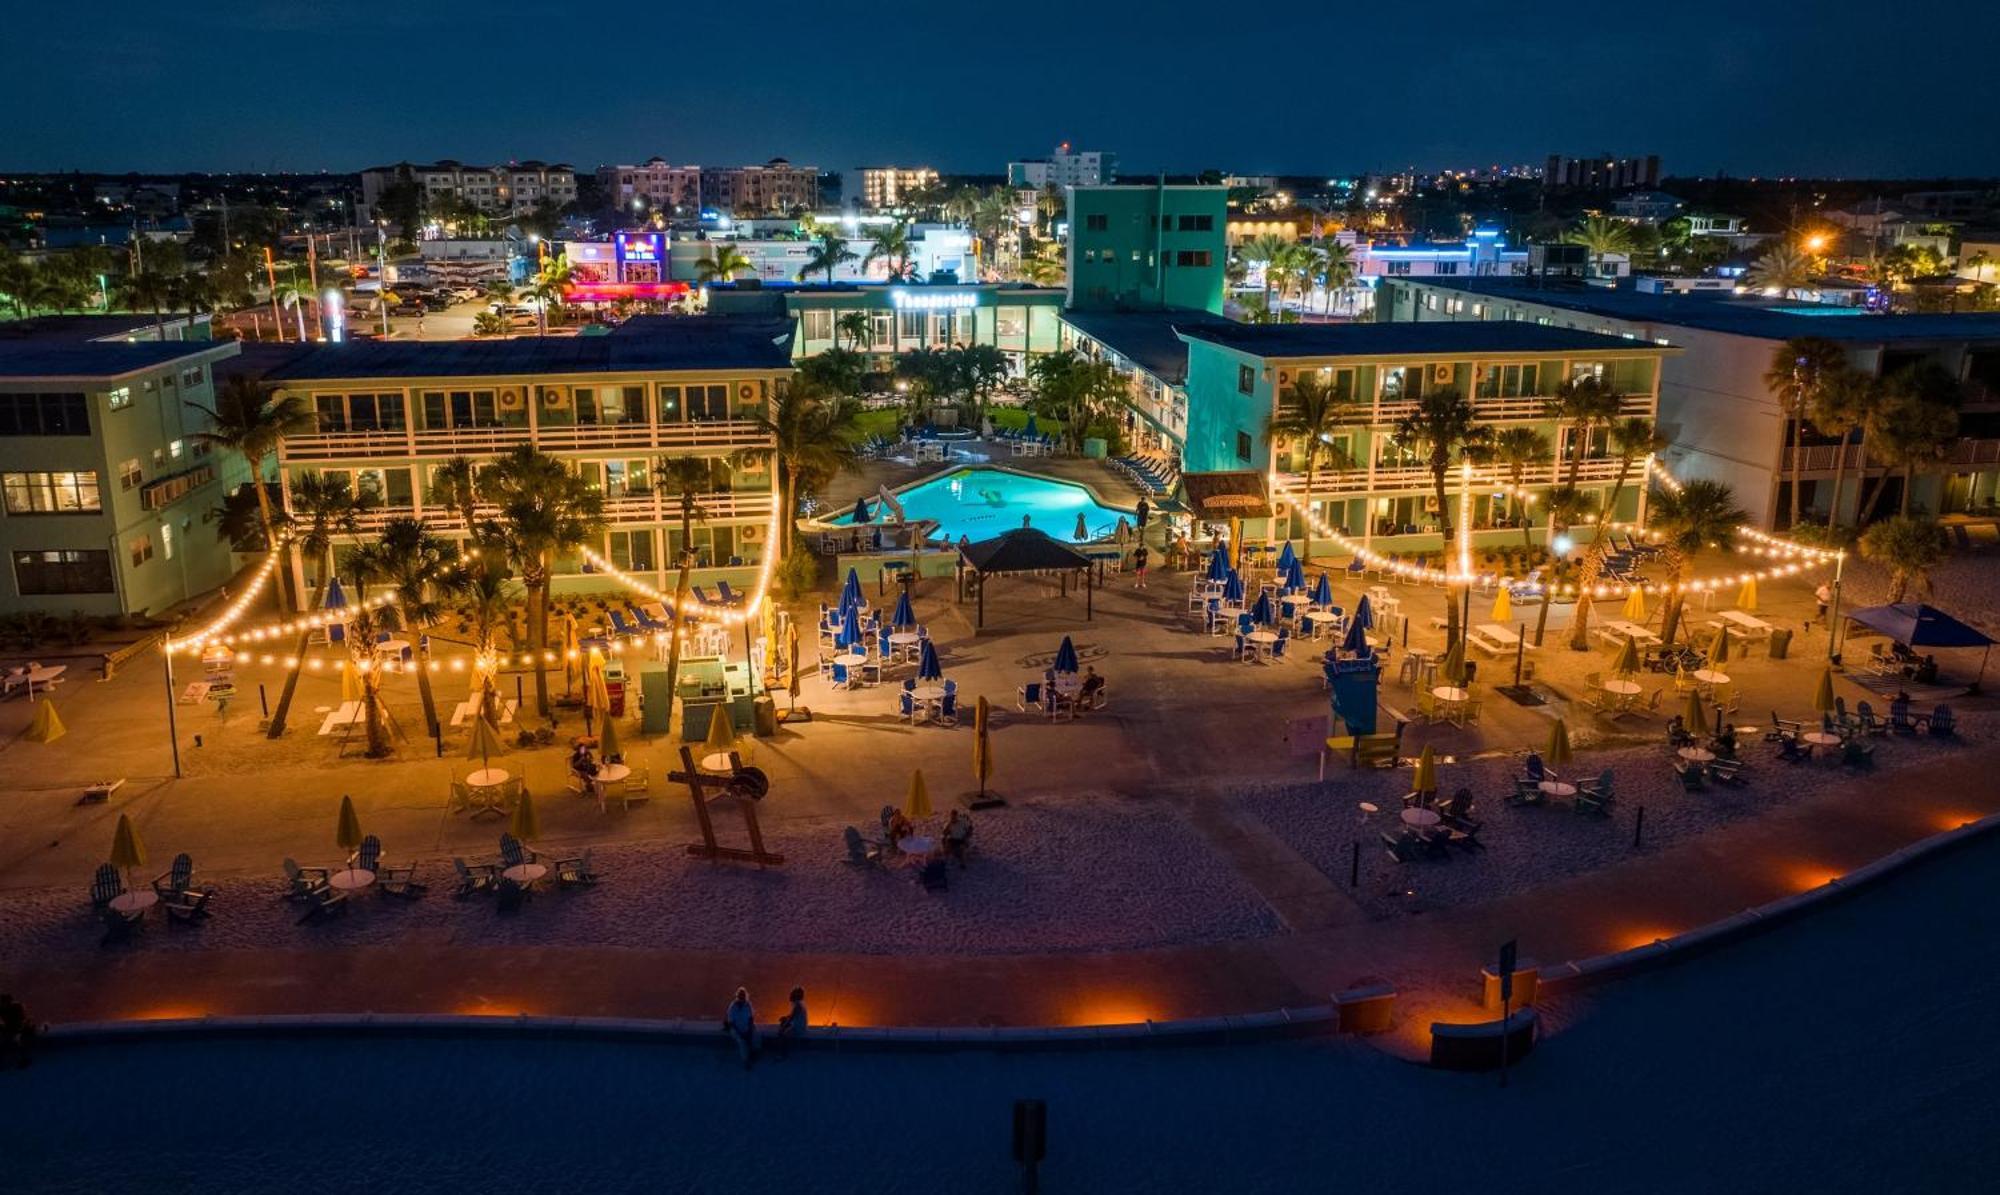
column 369, row 857
column 576, row 872
column 105, row 886
column 472, row 877
column 178, row 877
column 303, row 883
column 860, row 851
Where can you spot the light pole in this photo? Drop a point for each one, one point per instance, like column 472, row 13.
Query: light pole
column 382, row 274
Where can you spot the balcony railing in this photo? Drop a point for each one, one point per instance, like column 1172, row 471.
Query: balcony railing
column 1397, row 478
column 710, row 437
column 1488, row 410
column 625, row 510
column 1826, row 458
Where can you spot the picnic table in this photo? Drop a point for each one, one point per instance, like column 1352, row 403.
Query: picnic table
column 462, row 713
column 1494, row 638
column 1750, row 625
column 348, row 714
column 1616, row 631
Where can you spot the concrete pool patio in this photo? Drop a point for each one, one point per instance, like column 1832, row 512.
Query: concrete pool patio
column 1170, row 856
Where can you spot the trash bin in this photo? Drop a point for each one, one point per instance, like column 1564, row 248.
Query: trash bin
column 764, row 716
column 1781, row 642
column 1094, row 447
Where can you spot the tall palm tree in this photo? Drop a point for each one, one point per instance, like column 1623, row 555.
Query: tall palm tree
column 324, row 508
column 686, row 478
column 550, row 285
column 1582, row 405
column 854, row 326
column 1700, row 516
column 1785, row 269
column 723, row 263
column 1309, row 418
column 891, row 245
column 1337, row 271
column 1518, row 449
column 248, row 422
column 149, row 290
column 811, row 428
column 367, row 565
column 982, row 368
column 1915, row 424
column 455, row 486
column 830, row 256
column 1633, row 440
column 294, row 295
column 1909, row 548
column 1600, row 236
column 1799, row 370
column 1444, row 430
column 415, row 562
column 991, row 219
column 1839, row 408
column 545, row 512
column 1267, row 249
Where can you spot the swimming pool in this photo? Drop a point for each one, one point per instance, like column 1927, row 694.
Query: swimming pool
column 982, row 503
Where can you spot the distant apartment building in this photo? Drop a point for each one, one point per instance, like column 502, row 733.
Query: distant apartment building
column 887, row 186
column 1647, row 207
column 652, row 185
column 511, row 189
column 1065, row 167
column 1601, row 173
column 776, row 186
column 1147, row 247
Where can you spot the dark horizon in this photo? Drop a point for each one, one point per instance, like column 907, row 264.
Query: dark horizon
column 267, row 87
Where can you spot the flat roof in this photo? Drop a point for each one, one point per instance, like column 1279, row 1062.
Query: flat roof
column 1407, row 339
column 91, row 360
column 671, row 343
column 1713, row 311
column 82, row 327
column 1150, row 339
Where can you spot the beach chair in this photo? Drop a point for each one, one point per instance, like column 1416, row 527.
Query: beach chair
column 860, row 851
column 369, row 856
column 701, row 596
column 646, row 621
column 303, row 883
column 512, row 853
column 1030, row 695
column 1594, row 797
column 399, row 881
column 575, row 872
column 324, row 903
column 729, row 596
column 178, row 877
column 1899, row 719
column 472, row 877
column 1857, row 753
column 106, row 885
column 624, row 630
column 510, row 895
column 1727, row 771
column 1792, row 749
column 839, row 677
column 1944, row 724
column 460, row 798
column 1689, row 775
column 1278, row 648
column 947, row 712
column 907, row 707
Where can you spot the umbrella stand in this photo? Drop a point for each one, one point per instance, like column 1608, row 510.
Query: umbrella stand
column 1521, row 692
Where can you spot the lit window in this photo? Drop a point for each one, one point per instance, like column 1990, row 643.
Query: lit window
column 51, row 493
column 129, row 476
column 167, row 540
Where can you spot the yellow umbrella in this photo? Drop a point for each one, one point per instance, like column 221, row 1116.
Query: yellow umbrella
column 1503, row 606
column 1427, row 780
column 1823, row 696
column 522, row 823
column 569, row 650
column 982, row 744
column 1747, row 599
column 1696, row 714
column 607, row 737
column 1718, row 652
column 485, row 742
column 46, row 727
column 1635, row 605
column 127, row 851
column 1454, row 663
column 721, row 738
column 350, row 682
column 1628, row 658
column 347, row 830
column 1558, row 752
column 596, row 694
column 918, row 806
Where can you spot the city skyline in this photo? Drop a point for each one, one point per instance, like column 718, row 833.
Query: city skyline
column 1753, row 101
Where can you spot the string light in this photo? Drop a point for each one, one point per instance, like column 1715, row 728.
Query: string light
column 259, row 580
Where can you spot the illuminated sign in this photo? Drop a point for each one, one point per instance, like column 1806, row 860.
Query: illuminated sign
column 934, row 301
column 642, row 246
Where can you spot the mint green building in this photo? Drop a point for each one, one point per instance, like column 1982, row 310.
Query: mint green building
column 1147, row 247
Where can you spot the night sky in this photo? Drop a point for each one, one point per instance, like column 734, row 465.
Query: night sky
column 1832, row 88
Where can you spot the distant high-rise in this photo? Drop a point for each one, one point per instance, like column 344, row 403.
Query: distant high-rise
column 1601, row 173
column 1065, row 168
column 510, row 189
column 887, row 186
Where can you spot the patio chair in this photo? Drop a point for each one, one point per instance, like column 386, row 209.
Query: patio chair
column 701, row 596
column 636, row 787
column 1727, row 771
column 1857, row 753
column 729, row 596
column 624, row 630
column 460, row 798
column 1792, row 749
column 906, row 706
column 1242, row 648
column 1030, row 695
column 1591, row 801
column 106, row 885
column 1783, row 728
column 839, row 677
column 1278, row 648
column 1944, row 724
column 573, row 785
column 324, row 903
column 369, row 856
column 186, row 906
column 947, row 712
column 576, row 872
column 303, row 883
column 399, row 881
column 1689, row 775
column 178, row 877
column 472, row 877
column 1403, row 848
column 511, row 895
column 1899, row 719
column 512, row 853
column 860, row 851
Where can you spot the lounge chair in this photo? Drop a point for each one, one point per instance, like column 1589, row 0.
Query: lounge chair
column 473, row 877
column 577, row 872
column 646, row 621
column 729, row 596
column 636, row 787
column 625, row 630
column 860, row 851
column 303, row 883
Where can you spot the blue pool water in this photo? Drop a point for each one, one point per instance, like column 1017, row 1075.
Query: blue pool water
column 982, row 503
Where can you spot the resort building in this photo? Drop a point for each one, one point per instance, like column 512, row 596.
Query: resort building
column 888, row 186
column 653, row 185
column 512, row 189
column 1147, row 247
column 1146, row 347
column 610, row 406
column 1065, row 167
column 107, row 486
column 1021, row 321
column 1723, row 421
column 776, row 186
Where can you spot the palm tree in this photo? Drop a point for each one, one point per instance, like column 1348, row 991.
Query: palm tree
column 1336, row 271
column 367, row 564
column 294, row 295
column 324, row 507
column 455, row 486
column 1632, row 440
column 811, row 428
column 545, row 512
column 723, row 263
column 854, row 326
column 413, row 561
column 1042, row 269
column 1699, row 516
column 1583, row 405
column 1267, row 248
column 1309, row 417
column 1908, row 548
column 1783, row 268
column 247, row 422
column 151, row 291
column 830, row 256
column 1799, row 370
column 892, row 246
column 1914, row 424
column 1601, row 236
column 550, row 284
column 1075, row 391
column 1839, row 408
column 991, row 218
column 982, row 367
column 687, row 478
column 1518, row 449
column 1443, row 430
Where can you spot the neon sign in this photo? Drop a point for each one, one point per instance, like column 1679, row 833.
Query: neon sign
column 935, row 301
column 641, row 246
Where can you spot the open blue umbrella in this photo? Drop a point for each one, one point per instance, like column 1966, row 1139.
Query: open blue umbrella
column 1030, row 429
column 1066, row 656
column 850, row 628
column 860, row 510
column 1287, row 558
column 1232, row 589
column 1218, row 565
column 1261, row 612
column 904, row 616
column 928, row 667
column 850, row 593
column 336, row 631
column 1323, row 592
column 1357, row 632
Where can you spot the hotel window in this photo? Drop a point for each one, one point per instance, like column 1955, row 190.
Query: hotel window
column 881, row 325
column 444, row 410
column 44, row 415
column 1010, row 323
column 1246, row 379
column 1197, row 223
column 129, row 476
column 1398, row 268
column 167, row 541
column 1097, row 223
column 1243, row 446
column 1430, row 302
column 175, row 448
column 910, row 327
column 1191, row 257
column 63, row 571
column 707, row 403
column 191, row 377
column 1402, row 383
column 141, row 550
column 632, row 551
column 1508, row 381
column 120, row 397
column 629, row 477
column 818, row 325
column 51, row 493
column 1444, row 268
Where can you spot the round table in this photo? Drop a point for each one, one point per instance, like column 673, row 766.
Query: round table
column 137, row 901
column 1421, row 818
column 928, row 692
column 1622, row 688
column 1709, row 676
column 525, row 873
column 1262, row 638
column 350, row 879
column 487, row 778
column 1370, row 807
column 852, row 659
column 1450, row 693
column 1821, row 738
column 1229, row 612
column 1557, row 788
column 1296, row 599
column 917, row 845
column 1697, row 754
column 610, row 773
column 903, row 638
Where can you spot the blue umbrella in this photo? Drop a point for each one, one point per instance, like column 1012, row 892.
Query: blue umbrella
column 1323, row 592
column 1066, row 656
column 1357, row 632
column 850, row 629
column 1364, row 614
column 850, row 593
column 928, row 667
column 1287, row 558
column 1218, row 565
column 336, row 631
column 904, row 616
column 1261, row 612
column 1232, row 589
column 860, row 510
column 1295, row 574
column 1030, row 429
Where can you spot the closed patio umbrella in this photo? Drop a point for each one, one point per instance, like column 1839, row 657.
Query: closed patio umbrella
column 347, row 827
column 850, row 591
column 1356, row 641
column 1823, row 694
column 721, row 738
column 523, row 823
column 1427, row 778
column 904, row 617
column 1218, row 565
column 485, row 742
column 1558, row 752
column 1066, row 656
column 1232, row 589
column 1293, row 573
column 1503, row 605
column 1364, row 614
column 350, row 682
column 1082, row 528
column 1030, row 429
column 45, row 727
column 572, row 665
column 1323, row 591
column 1695, row 714
column 850, row 629
column 596, row 693
column 1718, row 650
column 127, row 851
column 1286, row 557
column 1454, row 663
column 860, row 510
column 607, row 737
column 982, row 745
column 336, row 628
column 1635, row 605
column 1628, row 658
column 928, row 667
column 1261, row 613
column 918, row 806
column 1746, row 599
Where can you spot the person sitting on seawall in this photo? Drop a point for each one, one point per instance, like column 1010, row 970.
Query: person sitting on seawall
column 740, row 1022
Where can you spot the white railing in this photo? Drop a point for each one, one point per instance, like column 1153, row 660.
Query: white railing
column 1391, row 478
column 624, row 510
column 1487, row 410
column 707, row 438
column 1815, row 458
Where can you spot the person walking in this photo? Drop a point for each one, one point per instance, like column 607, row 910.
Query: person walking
column 792, row 1025
column 1822, row 597
column 1139, row 515
column 1139, row 555
column 740, row 1021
